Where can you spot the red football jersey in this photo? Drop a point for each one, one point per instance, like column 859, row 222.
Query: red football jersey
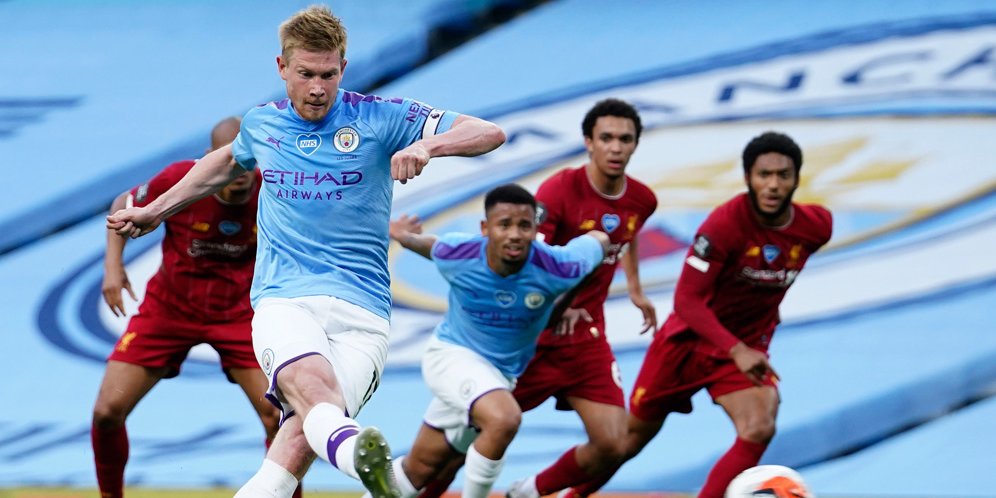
column 208, row 255
column 737, row 272
column 570, row 206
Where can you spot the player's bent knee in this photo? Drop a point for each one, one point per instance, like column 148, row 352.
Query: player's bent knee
column 610, row 450
column 107, row 416
column 760, row 431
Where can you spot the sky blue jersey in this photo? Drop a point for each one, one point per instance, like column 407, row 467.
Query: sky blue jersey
column 325, row 203
column 499, row 317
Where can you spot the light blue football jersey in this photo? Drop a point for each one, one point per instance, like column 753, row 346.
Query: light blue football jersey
column 325, row 203
column 499, row 317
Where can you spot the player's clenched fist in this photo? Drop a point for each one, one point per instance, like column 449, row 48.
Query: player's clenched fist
column 407, row 163
column 132, row 222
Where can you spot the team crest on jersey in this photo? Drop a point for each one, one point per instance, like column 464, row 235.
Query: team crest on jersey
column 504, row 298
column 610, row 222
column 308, row 143
column 229, row 227
column 266, row 361
column 346, row 139
column 535, row 300
column 467, row 388
column 587, row 225
column 770, row 252
column 200, row 226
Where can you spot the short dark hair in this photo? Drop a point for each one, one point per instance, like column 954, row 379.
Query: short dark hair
column 772, row 141
column 511, row 193
column 611, row 107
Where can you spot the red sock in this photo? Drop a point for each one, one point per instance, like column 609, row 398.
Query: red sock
column 297, row 490
column 740, row 457
column 564, row 473
column 436, row 488
column 110, row 454
column 593, row 484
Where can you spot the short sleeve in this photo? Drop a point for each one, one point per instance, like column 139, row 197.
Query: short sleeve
column 242, row 148
column 453, row 249
column 401, row 122
column 549, row 209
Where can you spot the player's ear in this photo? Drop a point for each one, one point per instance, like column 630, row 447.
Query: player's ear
column 484, row 227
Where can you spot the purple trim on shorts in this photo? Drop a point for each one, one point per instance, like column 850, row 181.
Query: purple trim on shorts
column 561, row 269
column 341, row 434
column 448, row 443
column 466, row 250
column 471, row 407
column 273, row 388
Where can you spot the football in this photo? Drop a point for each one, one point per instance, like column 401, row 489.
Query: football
column 774, row 481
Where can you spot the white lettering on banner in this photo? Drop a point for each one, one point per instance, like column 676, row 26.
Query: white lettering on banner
column 949, row 65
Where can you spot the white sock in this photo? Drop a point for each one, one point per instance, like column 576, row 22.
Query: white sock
column 270, row 481
column 404, row 484
column 332, row 436
column 480, row 473
column 527, row 488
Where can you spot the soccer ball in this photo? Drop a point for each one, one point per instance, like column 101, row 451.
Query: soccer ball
column 774, row 481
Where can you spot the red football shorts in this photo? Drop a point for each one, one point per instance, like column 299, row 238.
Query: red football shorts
column 673, row 371
column 160, row 342
column 587, row 370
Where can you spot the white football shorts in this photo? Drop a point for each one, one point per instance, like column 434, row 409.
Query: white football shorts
column 353, row 339
column 458, row 377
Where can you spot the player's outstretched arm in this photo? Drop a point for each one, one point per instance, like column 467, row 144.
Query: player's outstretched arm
column 563, row 318
column 208, row 176
column 115, row 276
column 407, row 230
column 631, row 266
column 469, row 136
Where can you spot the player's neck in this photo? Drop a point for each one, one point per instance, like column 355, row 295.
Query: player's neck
column 783, row 220
column 607, row 186
column 502, row 268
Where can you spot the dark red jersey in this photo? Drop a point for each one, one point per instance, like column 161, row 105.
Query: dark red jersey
column 737, row 271
column 208, row 255
column 570, row 206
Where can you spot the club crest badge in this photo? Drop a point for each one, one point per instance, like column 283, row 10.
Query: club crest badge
column 308, row 143
column 534, row 300
column 346, row 139
column 266, row 361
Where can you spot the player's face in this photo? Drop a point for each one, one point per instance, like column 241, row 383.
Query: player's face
column 510, row 229
column 312, row 80
column 612, row 143
column 772, row 181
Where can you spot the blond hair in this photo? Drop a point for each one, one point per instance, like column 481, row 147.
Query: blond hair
column 314, row 29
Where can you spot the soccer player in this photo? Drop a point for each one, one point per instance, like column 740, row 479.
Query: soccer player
column 321, row 289
column 574, row 362
column 744, row 258
column 503, row 287
column 199, row 295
